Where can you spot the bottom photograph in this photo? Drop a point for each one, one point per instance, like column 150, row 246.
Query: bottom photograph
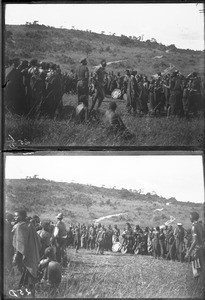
column 103, row 225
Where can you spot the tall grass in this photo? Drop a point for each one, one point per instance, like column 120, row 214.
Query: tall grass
column 149, row 131
column 123, row 276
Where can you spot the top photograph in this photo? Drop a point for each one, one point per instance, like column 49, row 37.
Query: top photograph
column 105, row 75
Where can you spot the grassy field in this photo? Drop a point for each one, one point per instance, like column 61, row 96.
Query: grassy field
column 114, row 275
column 85, row 203
column 148, row 131
column 66, row 46
column 111, row 275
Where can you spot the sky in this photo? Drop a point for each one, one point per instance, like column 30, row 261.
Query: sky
column 179, row 176
column 180, row 24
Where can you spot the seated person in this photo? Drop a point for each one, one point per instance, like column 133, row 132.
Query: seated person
column 50, row 268
column 115, row 122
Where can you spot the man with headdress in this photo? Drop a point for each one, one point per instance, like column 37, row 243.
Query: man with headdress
column 27, row 246
column 99, row 83
column 197, row 249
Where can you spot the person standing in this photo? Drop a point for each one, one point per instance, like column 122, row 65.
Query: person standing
column 196, row 251
column 26, row 250
column 60, row 234
column 99, row 83
column 100, row 240
column 77, row 238
column 162, row 243
column 82, row 78
column 156, row 245
column 179, row 234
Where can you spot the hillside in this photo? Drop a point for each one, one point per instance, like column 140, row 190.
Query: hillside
column 66, row 46
column 85, row 203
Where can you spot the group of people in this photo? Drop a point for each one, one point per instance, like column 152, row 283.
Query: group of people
column 36, row 89
column 38, row 247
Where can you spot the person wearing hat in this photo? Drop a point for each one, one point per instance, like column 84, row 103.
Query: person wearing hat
column 99, row 84
column 60, row 235
column 179, row 234
column 82, row 77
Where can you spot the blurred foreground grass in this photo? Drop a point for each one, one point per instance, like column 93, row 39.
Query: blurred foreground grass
column 149, row 131
column 114, row 275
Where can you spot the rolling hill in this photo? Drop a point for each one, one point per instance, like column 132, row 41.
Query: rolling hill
column 85, row 203
column 66, row 46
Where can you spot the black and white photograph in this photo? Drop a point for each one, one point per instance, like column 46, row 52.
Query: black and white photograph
column 103, row 74
column 103, row 225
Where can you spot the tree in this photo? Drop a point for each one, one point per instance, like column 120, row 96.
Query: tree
column 102, row 32
column 124, row 40
column 35, row 22
column 153, row 40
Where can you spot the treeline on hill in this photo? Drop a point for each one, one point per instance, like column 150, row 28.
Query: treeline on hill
column 61, row 45
column 86, row 202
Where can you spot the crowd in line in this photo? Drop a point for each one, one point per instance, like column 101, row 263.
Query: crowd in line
column 36, row 89
column 38, row 247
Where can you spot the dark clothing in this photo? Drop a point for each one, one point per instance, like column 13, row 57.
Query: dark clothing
column 175, row 99
column 53, row 96
column 162, row 244
column 99, row 84
column 15, row 96
column 156, row 245
column 82, row 77
column 179, row 236
column 131, row 93
column 198, row 252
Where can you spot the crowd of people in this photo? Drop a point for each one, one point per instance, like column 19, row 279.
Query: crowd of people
column 39, row 247
column 36, row 89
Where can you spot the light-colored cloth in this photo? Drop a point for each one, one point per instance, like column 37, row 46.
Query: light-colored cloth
column 26, row 241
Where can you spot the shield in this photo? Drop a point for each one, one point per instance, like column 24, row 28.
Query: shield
column 116, row 247
column 124, row 249
column 125, row 97
column 116, row 94
column 80, row 108
column 137, row 250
